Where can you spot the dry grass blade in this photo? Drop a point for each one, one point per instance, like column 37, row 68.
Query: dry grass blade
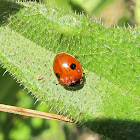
column 33, row 113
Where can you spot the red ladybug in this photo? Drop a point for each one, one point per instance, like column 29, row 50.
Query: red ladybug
column 67, row 70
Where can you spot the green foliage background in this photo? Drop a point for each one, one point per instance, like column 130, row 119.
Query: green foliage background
column 111, row 69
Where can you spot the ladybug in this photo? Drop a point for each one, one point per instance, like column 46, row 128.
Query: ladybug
column 67, row 70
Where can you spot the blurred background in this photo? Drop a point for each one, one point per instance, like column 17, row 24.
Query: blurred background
column 123, row 13
column 110, row 12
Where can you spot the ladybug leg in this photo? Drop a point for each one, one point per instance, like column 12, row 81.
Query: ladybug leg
column 57, row 84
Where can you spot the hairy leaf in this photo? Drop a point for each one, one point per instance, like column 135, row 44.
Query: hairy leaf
column 109, row 101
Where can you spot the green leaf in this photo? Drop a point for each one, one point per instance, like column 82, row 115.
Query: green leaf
column 109, row 101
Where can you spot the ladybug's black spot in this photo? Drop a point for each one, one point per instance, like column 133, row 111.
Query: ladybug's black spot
column 57, row 75
column 73, row 66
